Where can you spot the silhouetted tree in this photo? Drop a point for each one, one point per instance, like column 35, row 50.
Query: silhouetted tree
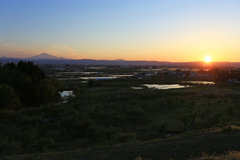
column 8, row 98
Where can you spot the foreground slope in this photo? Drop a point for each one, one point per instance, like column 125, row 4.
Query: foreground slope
column 181, row 147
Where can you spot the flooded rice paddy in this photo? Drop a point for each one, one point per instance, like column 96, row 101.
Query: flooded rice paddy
column 172, row 86
column 198, row 82
column 66, row 93
column 161, row 86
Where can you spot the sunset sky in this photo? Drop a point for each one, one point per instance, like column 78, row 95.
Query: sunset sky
column 161, row 30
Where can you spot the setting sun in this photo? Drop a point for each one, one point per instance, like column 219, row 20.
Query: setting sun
column 207, row 59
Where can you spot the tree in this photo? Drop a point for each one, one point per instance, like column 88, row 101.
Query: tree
column 29, row 69
column 29, row 93
column 48, row 92
column 29, row 84
column 8, row 97
column 10, row 66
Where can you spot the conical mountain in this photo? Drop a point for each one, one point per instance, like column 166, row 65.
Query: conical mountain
column 44, row 56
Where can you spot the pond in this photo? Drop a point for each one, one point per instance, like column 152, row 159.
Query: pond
column 79, row 77
column 105, row 77
column 66, row 93
column 198, row 82
column 91, row 73
column 161, row 86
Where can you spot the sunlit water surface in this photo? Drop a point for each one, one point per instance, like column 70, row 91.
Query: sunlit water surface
column 161, row 86
column 198, row 82
column 66, row 93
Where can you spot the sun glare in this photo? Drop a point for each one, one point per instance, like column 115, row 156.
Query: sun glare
column 207, row 59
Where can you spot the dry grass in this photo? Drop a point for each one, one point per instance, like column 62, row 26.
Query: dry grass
column 231, row 128
column 230, row 155
column 140, row 158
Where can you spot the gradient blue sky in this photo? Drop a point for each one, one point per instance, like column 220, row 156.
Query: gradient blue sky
column 167, row 30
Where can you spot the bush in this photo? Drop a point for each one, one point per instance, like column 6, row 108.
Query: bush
column 125, row 137
column 9, row 147
column 41, row 144
column 188, row 134
column 9, row 99
column 107, row 133
column 52, row 134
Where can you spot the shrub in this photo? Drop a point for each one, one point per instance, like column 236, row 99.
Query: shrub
column 125, row 137
column 9, row 147
column 188, row 134
column 41, row 144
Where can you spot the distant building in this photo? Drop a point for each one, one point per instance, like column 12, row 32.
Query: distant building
column 172, row 73
column 102, row 79
column 142, row 75
column 62, row 69
column 78, row 70
column 233, row 81
column 160, row 72
column 180, row 75
column 193, row 74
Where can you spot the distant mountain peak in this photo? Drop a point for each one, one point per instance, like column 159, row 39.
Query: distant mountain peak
column 119, row 60
column 44, row 56
column 4, row 57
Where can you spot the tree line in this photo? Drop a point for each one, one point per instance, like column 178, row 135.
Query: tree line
column 25, row 85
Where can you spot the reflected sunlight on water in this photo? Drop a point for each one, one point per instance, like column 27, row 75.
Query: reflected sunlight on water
column 198, row 82
column 162, row 86
column 66, row 93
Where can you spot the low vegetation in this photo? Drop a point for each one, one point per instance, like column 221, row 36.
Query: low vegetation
column 105, row 120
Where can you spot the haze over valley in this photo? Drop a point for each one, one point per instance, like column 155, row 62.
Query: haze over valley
column 45, row 58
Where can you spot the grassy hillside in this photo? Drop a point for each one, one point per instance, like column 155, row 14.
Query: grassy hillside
column 182, row 147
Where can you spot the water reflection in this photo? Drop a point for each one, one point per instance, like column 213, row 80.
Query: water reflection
column 86, row 78
column 138, row 88
column 161, row 86
column 198, row 82
column 66, row 93
column 92, row 73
